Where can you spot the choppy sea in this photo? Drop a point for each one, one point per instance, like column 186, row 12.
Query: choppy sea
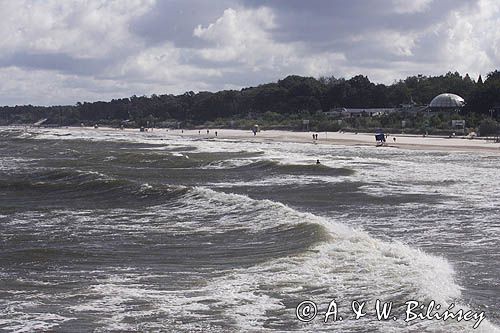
column 112, row 231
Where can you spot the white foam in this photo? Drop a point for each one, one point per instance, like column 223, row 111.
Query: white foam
column 352, row 264
column 17, row 318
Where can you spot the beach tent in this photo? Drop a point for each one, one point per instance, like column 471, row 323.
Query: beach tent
column 380, row 138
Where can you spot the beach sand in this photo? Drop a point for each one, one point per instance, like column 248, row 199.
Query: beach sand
column 404, row 141
column 352, row 139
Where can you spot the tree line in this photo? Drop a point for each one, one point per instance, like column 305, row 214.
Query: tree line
column 293, row 96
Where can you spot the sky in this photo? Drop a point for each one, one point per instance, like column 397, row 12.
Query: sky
column 63, row 52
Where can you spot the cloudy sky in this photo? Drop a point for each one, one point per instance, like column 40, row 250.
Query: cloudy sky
column 61, row 52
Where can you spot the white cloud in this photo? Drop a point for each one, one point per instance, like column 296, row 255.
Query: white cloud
column 238, row 35
column 465, row 40
column 243, row 46
column 20, row 86
column 80, row 29
column 162, row 64
column 245, row 36
column 238, row 26
column 410, row 6
column 473, row 38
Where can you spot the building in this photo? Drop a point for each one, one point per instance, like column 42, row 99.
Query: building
column 446, row 102
column 361, row 112
column 442, row 103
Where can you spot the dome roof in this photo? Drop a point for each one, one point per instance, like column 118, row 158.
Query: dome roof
column 447, row 101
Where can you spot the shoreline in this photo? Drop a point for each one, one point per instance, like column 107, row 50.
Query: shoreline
column 405, row 141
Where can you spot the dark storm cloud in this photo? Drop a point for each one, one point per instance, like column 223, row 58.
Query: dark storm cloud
column 327, row 24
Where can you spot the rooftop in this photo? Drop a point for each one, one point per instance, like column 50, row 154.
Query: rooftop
column 447, row 101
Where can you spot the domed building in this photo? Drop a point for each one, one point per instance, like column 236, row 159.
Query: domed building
column 447, row 102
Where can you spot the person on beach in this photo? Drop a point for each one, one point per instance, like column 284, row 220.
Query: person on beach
column 215, row 133
column 208, row 131
column 317, row 162
column 394, row 139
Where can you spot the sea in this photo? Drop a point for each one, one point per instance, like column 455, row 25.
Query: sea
column 105, row 230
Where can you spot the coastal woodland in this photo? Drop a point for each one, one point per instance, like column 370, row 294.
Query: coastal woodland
column 285, row 104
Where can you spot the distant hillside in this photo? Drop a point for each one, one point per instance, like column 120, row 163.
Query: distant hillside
column 294, row 95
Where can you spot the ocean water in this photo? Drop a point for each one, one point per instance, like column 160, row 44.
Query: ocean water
column 111, row 231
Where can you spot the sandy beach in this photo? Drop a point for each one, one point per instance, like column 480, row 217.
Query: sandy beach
column 405, row 141
column 350, row 139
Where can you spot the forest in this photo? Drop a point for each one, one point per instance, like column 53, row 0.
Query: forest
column 282, row 104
